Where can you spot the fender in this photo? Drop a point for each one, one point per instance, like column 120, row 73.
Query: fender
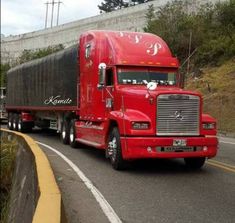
column 208, row 119
column 125, row 119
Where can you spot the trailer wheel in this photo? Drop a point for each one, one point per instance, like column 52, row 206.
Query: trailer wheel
column 23, row 126
column 15, row 122
column 72, row 134
column 20, row 125
column 195, row 163
column 65, row 132
column 10, row 121
column 115, row 150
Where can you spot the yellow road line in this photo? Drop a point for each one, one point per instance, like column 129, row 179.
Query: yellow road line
column 222, row 165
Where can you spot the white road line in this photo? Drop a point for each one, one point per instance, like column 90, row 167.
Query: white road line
column 233, row 143
column 105, row 206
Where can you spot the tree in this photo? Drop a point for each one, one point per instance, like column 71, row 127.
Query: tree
column 34, row 54
column 150, row 17
column 3, row 71
column 113, row 5
column 208, row 29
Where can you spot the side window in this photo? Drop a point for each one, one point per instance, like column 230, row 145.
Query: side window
column 88, row 51
column 109, row 77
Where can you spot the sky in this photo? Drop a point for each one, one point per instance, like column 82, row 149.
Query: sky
column 22, row 16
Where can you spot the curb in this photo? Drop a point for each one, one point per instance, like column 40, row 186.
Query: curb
column 49, row 207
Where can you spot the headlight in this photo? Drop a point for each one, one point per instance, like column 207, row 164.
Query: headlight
column 208, row 125
column 140, row 125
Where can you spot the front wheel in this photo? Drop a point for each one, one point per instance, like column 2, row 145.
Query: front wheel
column 115, row 150
column 72, row 134
column 195, row 163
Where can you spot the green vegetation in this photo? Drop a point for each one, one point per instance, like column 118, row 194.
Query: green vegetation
column 211, row 28
column 217, row 84
column 28, row 55
column 3, row 70
column 7, row 161
column 112, row 5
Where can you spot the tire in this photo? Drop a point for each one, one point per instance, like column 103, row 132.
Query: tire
column 24, row 126
column 72, row 135
column 10, row 121
column 195, row 163
column 15, row 122
column 115, row 150
column 64, row 136
column 20, row 125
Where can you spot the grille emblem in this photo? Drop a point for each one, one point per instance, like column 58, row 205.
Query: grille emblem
column 178, row 115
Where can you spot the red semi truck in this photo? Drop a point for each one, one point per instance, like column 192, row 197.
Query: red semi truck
column 116, row 91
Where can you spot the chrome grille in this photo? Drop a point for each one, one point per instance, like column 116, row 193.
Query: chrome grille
column 178, row 114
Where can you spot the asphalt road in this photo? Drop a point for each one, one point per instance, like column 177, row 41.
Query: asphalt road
column 154, row 191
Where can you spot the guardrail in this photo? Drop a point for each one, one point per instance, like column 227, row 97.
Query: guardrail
column 35, row 196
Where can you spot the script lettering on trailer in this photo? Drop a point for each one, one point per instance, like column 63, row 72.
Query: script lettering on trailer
column 56, row 100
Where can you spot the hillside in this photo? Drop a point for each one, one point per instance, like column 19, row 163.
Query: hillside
column 217, row 85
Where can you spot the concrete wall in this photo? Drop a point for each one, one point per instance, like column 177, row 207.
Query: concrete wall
column 35, row 196
column 132, row 19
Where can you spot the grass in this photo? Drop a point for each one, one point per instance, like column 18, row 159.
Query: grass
column 7, row 161
column 217, row 85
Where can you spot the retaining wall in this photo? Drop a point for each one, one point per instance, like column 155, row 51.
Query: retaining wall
column 35, row 196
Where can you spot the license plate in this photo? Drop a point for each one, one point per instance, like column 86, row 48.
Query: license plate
column 178, row 149
column 179, row 142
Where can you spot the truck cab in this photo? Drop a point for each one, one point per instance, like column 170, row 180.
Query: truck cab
column 132, row 103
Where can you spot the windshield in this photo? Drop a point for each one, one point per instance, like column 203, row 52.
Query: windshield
column 141, row 77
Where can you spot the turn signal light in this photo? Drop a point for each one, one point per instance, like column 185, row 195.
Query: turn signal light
column 208, row 125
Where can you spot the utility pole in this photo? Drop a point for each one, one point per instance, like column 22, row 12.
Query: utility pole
column 46, row 14
column 58, row 12
column 52, row 12
column 52, row 3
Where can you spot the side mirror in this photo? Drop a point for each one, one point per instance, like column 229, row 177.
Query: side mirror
column 102, row 75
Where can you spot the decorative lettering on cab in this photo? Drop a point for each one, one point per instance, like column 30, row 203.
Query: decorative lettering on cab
column 152, row 48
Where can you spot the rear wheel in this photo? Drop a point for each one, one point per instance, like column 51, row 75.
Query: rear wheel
column 20, row 125
column 65, row 132
column 72, row 134
column 15, row 122
column 115, row 150
column 10, row 121
column 24, row 126
column 195, row 163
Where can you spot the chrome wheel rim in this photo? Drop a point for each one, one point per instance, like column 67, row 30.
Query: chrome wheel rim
column 113, row 148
